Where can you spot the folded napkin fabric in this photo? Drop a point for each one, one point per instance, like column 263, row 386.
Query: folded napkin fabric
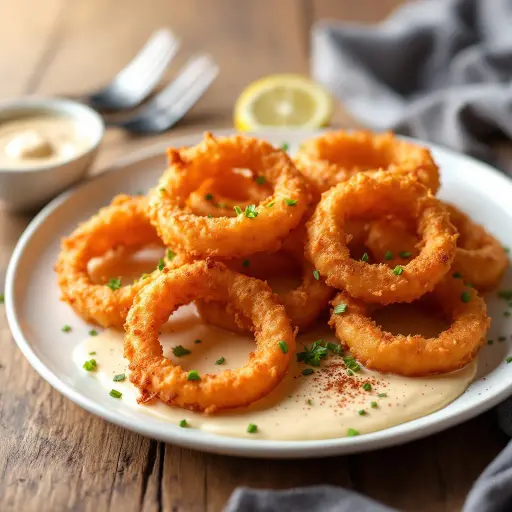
column 439, row 70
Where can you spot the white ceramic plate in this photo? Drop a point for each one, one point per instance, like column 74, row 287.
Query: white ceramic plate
column 36, row 315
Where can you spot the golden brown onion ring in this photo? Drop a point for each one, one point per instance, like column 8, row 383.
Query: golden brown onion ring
column 122, row 223
column 414, row 355
column 480, row 258
column 263, row 229
column 364, row 196
column 156, row 376
column 335, row 157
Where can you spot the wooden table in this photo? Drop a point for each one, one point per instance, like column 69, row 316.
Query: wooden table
column 53, row 455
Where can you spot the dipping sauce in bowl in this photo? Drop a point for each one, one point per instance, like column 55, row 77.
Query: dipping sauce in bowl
column 46, row 146
column 40, row 139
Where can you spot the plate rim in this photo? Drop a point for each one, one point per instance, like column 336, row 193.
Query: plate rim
column 201, row 440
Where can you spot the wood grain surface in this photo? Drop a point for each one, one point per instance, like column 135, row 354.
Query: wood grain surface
column 53, row 455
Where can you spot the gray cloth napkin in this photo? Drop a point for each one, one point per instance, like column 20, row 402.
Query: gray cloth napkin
column 439, row 70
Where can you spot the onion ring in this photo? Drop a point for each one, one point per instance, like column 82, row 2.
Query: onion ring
column 415, row 355
column 372, row 197
column 156, row 376
column 303, row 303
column 480, row 258
column 335, row 157
column 260, row 228
column 122, row 223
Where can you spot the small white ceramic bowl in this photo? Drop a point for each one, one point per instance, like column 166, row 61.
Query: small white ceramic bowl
column 30, row 188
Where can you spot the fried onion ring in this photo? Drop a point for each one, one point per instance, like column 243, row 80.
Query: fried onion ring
column 157, row 376
column 122, row 223
column 480, row 258
column 364, row 196
column 335, row 157
column 261, row 229
column 415, row 355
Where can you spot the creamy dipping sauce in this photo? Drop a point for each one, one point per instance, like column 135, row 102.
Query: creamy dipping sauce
column 39, row 140
column 326, row 404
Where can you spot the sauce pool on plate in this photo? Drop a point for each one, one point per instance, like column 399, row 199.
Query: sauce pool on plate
column 323, row 402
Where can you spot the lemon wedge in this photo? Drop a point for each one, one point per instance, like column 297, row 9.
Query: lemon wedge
column 282, row 101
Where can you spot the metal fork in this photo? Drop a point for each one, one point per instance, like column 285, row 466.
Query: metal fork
column 136, row 81
column 176, row 99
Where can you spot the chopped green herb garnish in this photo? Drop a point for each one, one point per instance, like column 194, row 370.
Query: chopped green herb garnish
column 465, row 297
column 373, row 405
column 93, row 332
column 260, row 180
column 505, row 294
column 93, row 353
column 246, row 263
column 145, row 276
column 398, row 270
column 365, row 257
column 351, row 432
column 208, row 197
column 115, row 394
column 309, row 401
column 193, row 375
column 457, row 275
column 350, row 373
column 509, row 360
column 388, row 256
column 502, row 338
column 170, row 255
column 307, row 371
column 180, row 351
column 238, row 210
column 183, row 424
column 339, row 309
column 283, row 346
column 351, row 363
column 312, row 355
column 210, row 216
column 333, row 347
column 405, row 254
column 221, row 205
column 382, row 395
column 90, row 365
column 114, row 284
column 291, row 202
column 361, row 412
column 2, row 298
column 316, row 274
column 272, row 203
column 250, row 211
column 161, row 264
column 197, row 341
column 66, row 328
column 220, row 360
column 367, row 386
column 285, row 146
column 163, row 190
column 252, row 428
column 119, row 377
